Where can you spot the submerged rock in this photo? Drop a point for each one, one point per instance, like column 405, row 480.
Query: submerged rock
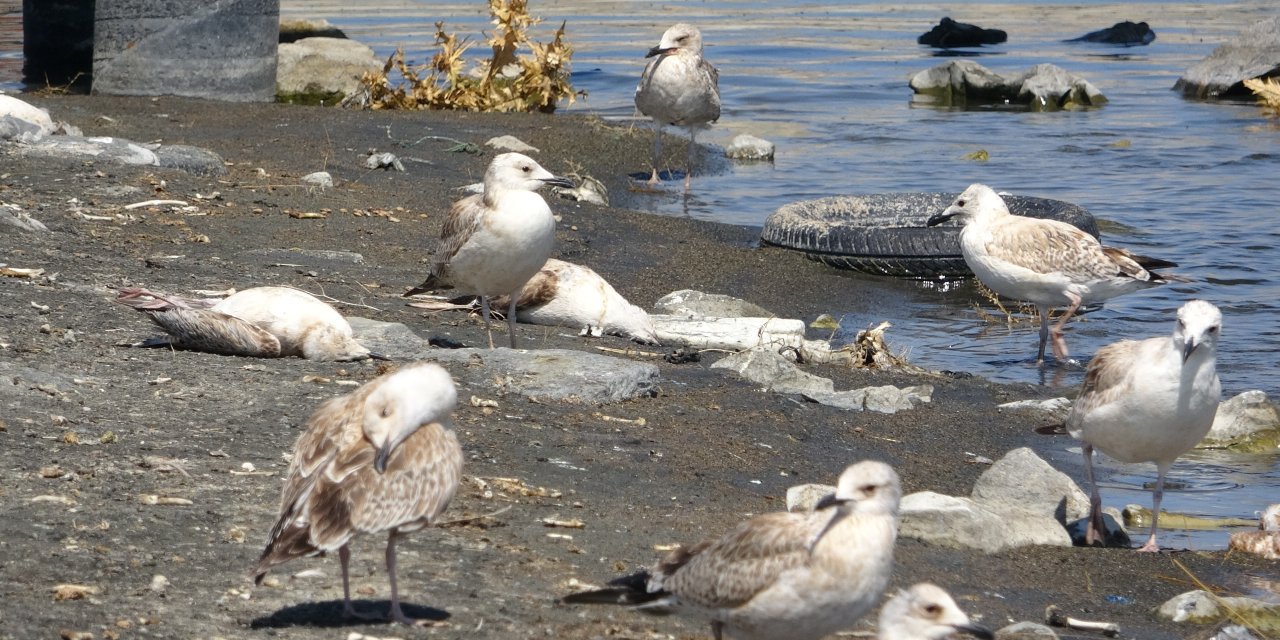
column 1202, row 607
column 1248, row 423
column 949, row 34
column 1044, row 87
column 748, row 147
column 1255, row 53
column 1127, row 34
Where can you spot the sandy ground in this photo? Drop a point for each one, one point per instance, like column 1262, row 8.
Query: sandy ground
column 117, row 424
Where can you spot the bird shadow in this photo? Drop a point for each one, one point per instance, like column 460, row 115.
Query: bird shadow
column 328, row 614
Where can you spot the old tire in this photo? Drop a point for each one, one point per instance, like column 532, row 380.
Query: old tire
column 885, row 233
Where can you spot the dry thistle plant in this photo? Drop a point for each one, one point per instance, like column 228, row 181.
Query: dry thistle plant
column 508, row 81
column 1268, row 92
column 1024, row 312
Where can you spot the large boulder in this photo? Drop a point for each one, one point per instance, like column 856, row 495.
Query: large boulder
column 1255, row 53
column 1248, row 423
column 948, row 34
column 1044, row 87
column 322, row 68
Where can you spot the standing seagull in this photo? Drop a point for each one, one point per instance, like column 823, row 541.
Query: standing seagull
column 1149, row 401
column 381, row 458
column 493, row 242
column 925, row 612
column 1046, row 262
column 799, row 576
column 678, row 87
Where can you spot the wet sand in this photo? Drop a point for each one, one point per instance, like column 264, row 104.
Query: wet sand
column 121, row 424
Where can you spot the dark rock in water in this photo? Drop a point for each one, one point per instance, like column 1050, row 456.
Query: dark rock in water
column 950, row 34
column 1114, row 533
column 1255, row 53
column 1128, row 34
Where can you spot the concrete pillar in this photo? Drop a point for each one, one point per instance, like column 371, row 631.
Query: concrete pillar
column 216, row 49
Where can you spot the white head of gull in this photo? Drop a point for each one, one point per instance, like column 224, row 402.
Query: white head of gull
column 925, row 612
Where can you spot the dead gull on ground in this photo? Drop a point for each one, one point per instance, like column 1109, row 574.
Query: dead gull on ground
column 1046, row 262
column 264, row 322
column 925, row 612
column 381, row 458
column 799, row 576
column 493, row 242
column 1149, row 401
column 678, row 87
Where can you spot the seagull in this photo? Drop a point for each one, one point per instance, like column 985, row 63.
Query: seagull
column 925, row 612
column 800, row 576
column 381, row 458
column 678, row 87
column 1149, row 401
column 1046, row 262
column 264, row 322
column 493, row 242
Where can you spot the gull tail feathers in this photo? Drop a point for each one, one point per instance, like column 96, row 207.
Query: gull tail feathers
column 629, row 590
column 432, row 283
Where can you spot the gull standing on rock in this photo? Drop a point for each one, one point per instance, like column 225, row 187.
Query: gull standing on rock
column 493, row 242
column 678, row 87
column 925, row 612
column 382, row 458
column 1149, row 401
column 1046, row 262
column 799, row 576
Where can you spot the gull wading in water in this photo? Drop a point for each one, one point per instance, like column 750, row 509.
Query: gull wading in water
column 679, row 88
column 925, row 612
column 800, row 576
column 1048, row 263
column 381, row 458
column 493, row 242
column 1149, row 401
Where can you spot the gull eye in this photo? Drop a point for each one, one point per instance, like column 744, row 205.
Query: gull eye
column 933, row 610
column 960, row 202
column 867, row 488
column 526, row 168
column 1213, row 329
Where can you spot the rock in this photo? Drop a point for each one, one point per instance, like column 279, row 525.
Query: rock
column 1114, row 535
column 103, row 148
column 391, row 339
column 728, row 333
column 1026, row 631
column 12, row 107
column 1022, row 480
column 1056, row 408
column 1234, row 632
column 764, row 366
column 315, row 70
column 193, row 160
column 1248, row 422
column 386, row 161
column 949, row 34
column 696, row 303
column 803, row 497
column 321, row 179
column 1128, row 34
column 192, row 48
column 1044, row 87
column 1201, row 607
column 1048, row 87
column 1255, row 53
column 13, row 129
column 13, row 216
column 297, row 29
column 510, row 143
column 885, row 399
column 305, row 257
column 748, row 147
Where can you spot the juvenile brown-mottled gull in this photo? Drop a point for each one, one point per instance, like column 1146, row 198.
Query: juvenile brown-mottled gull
column 493, row 242
column 1046, row 262
column 678, row 87
column 264, row 322
column 1149, row 401
column 925, row 612
column 381, row 458
column 799, row 576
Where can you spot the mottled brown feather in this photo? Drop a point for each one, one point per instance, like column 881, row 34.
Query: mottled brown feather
column 1055, row 247
column 465, row 216
column 539, row 290
column 1106, row 379
column 215, row 332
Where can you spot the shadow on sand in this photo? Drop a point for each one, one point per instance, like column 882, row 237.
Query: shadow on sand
column 328, row 614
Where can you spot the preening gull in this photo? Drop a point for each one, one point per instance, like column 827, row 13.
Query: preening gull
column 799, row 576
column 678, row 87
column 493, row 242
column 381, row 458
column 925, row 612
column 1046, row 262
column 1149, row 401
column 264, row 322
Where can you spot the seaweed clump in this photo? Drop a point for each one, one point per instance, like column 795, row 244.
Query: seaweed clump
column 508, row 81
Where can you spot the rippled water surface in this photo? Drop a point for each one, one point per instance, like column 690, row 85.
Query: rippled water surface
column 827, row 82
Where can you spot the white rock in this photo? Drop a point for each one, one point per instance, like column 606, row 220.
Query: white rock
column 688, row 302
column 748, row 147
column 764, row 366
column 1199, row 607
column 1247, row 418
column 1026, row 631
column 1021, row 480
column 949, row 521
column 728, row 333
column 11, row 106
column 803, row 497
column 321, row 179
column 1057, row 408
column 510, row 143
column 323, row 65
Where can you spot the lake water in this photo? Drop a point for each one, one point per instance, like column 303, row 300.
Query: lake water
column 1192, row 182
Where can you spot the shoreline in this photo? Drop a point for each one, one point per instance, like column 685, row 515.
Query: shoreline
column 634, row 486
